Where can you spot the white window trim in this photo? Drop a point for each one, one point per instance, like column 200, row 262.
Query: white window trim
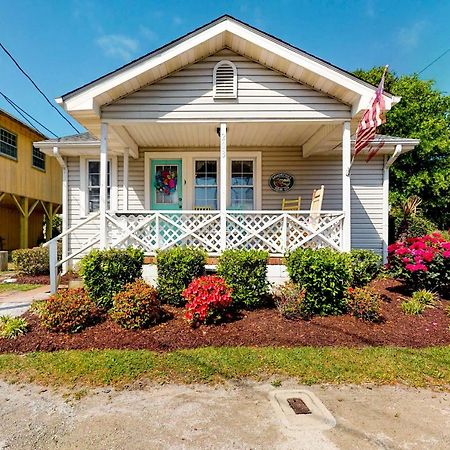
column 84, row 198
column 206, row 158
column 237, row 156
column 235, row 80
column 188, row 173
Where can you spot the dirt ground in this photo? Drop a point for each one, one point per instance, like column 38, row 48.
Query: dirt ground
column 234, row 416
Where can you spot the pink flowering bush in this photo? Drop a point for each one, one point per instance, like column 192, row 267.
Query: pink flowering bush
column 422, row 262
column 207, row 299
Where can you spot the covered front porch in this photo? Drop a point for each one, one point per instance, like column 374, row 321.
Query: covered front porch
column 221, row 198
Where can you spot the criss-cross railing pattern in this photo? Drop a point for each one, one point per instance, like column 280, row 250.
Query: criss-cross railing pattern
column 277, row 232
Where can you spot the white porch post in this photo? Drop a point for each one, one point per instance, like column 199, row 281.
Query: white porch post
column 103, row 183
column 223, row 186
column 346, row 186
column 125, row 178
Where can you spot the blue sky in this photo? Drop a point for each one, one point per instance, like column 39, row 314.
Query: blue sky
column 66, row 43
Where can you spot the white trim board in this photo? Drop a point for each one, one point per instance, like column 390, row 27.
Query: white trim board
column 187, row 161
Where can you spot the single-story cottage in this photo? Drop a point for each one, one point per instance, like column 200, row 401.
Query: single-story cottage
column 204, row 142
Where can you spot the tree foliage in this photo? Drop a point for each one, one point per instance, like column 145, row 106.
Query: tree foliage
column 423, row 113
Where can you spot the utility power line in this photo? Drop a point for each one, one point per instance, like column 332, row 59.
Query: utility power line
column 36, row 86
column 21, row 110
column 434, row 60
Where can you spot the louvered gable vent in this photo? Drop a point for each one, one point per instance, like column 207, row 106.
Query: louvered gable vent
column 225, row 80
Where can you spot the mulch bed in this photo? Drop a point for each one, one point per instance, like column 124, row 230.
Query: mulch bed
column 264, row 327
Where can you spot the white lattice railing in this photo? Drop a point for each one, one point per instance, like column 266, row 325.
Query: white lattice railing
column 277, row 232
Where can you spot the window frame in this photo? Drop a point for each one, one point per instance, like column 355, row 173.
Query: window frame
column 230, row 176
column 217, row 185
column 84, row 184
column 44, row 159
column 5, row 155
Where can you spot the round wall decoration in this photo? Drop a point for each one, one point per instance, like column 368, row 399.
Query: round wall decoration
column 281, row 182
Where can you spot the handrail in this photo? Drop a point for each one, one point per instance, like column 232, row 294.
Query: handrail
column 70, row 230
column 217, row 211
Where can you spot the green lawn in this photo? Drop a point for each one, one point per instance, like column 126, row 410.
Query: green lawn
column 8, row 287
column 381, row 365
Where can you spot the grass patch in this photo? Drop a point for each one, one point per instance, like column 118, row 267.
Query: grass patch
column 380, row 365
column 9, row 287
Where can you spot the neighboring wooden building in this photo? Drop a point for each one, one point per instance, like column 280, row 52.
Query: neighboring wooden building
column 30, row 185
column 184, row 143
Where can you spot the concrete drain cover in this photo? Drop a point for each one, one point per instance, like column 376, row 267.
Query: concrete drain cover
column 312, row 413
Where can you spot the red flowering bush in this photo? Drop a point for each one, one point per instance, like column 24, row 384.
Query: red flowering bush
column 422, row 262
column 207, row 299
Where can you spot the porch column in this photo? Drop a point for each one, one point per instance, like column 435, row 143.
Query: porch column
column 223, row 186
column 49, row 222
column 346, row 187
column 126, row 155
column 103, row 183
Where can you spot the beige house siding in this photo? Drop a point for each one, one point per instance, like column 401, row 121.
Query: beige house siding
column 367, row 205
column 262, row 94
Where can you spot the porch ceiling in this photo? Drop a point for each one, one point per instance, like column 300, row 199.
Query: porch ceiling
column 257, row 134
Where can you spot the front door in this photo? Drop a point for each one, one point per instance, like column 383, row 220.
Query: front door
column 166, row 184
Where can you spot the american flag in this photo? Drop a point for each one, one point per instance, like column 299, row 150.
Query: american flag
column 372, row 119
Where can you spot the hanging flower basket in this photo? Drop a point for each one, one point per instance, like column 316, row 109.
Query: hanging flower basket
column 166, row 182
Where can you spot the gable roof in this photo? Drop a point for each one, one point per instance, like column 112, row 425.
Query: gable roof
column 224, row 32
column 21, row 123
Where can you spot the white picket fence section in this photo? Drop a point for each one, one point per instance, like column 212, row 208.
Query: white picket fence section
column 277, row 232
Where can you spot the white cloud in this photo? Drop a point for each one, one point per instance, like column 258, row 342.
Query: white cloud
column 147, row 34
column 118, row 46
column 409, row 36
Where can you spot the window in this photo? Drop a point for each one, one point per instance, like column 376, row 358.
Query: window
column 8, row 144
column 242, row 184
column 206, row 184
column 94, row 185
column 225, row 80
column 38, row 159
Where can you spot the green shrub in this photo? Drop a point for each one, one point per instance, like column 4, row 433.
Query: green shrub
column 137, row 306
column 177, row 267
column 31, row 261
column 290, row 301
column 424, row 296
column 366, row 265
column 245, row 271
column 11, row 327
column 325, row 274
column 67, row 311
column 364, row 304
column 106, row 272
column 412, row 226
column 412, row 307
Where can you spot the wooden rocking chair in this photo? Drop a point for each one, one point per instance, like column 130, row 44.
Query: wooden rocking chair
column 291, row 205
column 316, row 206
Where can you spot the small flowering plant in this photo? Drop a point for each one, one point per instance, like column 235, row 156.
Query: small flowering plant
column 364, row 303
column 422, row 262
column 208, row 299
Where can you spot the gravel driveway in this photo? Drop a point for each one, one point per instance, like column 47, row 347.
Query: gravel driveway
column 235, row 416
